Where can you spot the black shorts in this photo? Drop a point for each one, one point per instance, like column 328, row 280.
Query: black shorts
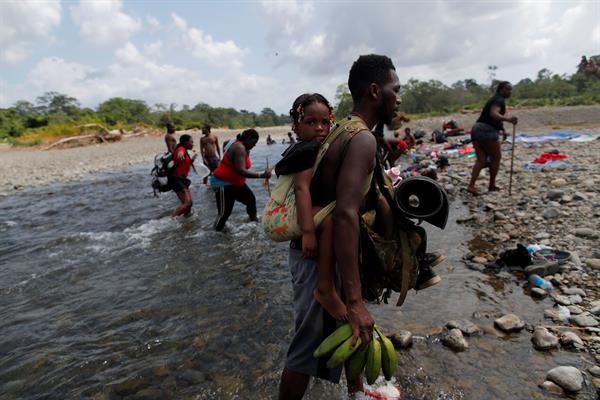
column 482, row 132
column 178, row 183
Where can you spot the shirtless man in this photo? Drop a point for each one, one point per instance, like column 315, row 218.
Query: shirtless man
column 210, row 150
column 374, row 87
column 170, row 140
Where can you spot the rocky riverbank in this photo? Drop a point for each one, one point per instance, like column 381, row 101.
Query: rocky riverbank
column 551, row 207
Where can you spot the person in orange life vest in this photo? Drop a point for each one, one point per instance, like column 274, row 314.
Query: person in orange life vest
column 229, row 179
column 178, row 180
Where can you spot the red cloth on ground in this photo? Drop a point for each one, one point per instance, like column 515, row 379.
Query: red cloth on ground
column 402, row 146
column 545, row 157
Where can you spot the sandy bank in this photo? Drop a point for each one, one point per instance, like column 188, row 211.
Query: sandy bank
column 24, row 168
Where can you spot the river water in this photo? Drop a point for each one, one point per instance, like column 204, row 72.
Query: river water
column 103, row 295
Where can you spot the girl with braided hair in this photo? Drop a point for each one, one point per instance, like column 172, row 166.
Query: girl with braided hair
column 312, row 116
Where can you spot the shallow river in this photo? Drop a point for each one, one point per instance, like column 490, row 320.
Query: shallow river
column 103, row 295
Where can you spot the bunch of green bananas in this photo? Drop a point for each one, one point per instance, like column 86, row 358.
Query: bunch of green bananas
column 379, row 355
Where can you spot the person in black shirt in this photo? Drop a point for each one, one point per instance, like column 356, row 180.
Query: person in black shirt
column 485, row 136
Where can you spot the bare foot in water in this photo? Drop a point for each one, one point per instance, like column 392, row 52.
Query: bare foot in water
column 472, row 190
column 332, row 303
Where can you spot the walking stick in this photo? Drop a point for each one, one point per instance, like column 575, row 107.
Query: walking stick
column 267, row 183
column 512, row 159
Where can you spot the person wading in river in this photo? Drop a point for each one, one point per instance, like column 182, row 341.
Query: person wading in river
column 209, row 149
column 170, row 140
column 485, row 135
column 177, row 179
column 229, row 179
column 374, row 87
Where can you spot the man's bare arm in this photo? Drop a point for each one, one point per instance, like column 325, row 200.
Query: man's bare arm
column 356, row 168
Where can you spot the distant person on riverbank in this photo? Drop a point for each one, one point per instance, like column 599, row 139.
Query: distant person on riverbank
column 312, row 116
column 209, row 149
column 270, row 140
column 290, row 139
column 178, row 178
column 485, row 135
column 170, row 140
column 229, row 178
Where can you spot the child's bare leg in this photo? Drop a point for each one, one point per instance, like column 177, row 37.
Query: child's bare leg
column 325, row 292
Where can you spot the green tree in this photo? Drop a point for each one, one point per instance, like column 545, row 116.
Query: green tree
column 127, row 111
column 55, row 103
column 343, row 101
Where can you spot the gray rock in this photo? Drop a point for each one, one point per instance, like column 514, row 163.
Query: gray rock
column 402, row 339
column 542, row 235
column 595, row 371
column 579, row 196
column 191, row 376
column 558, row 182
column 551, row 213
column 555, row 194
column 480, row 260
column 542, row 339
column 595, row 310
column 584, row 320
column 455, row 340
column 538, row 293
column 574, row 290
column 560, row 299
column 509, row 323
column 575, row 310
column 552, row 388
column 575, row 299
column 585, row 233
column 593, row 263
column 467, row 327
column 149, row 394
column 569, row 339
column 567, row 377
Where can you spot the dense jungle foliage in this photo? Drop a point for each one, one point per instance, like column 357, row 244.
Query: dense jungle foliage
column 56, row 114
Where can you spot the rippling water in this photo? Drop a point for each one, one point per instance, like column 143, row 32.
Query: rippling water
column 103, row 295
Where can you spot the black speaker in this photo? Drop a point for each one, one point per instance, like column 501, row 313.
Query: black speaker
column 424, row 199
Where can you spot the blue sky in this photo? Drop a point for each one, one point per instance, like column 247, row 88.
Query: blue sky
column 255, row 54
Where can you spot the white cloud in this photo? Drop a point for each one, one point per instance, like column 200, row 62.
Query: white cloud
column 103, row 23
column 153, row 22
column 202, row 45
column 24, row 24
column 153, row 49
column 128, row 54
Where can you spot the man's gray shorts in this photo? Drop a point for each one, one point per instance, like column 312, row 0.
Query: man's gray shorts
column 312, row 323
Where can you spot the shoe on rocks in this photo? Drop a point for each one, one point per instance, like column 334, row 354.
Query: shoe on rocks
column 426, row 278
column 432, row 259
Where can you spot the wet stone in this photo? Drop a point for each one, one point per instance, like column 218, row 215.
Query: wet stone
column 402, row 339
column 538, row 293
column 573, row 291
column 584, row 320
column 575, row 310
column 555, row 194
column 567, row 377
column 543, row 340
column 191, row 376
column 149, row 394
column 575, row 299
column 562, row 300
column 552, row 387
column 570, row 339
column 509, row 323
column 595, row 371
column 455, row 340
column 466, row 327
